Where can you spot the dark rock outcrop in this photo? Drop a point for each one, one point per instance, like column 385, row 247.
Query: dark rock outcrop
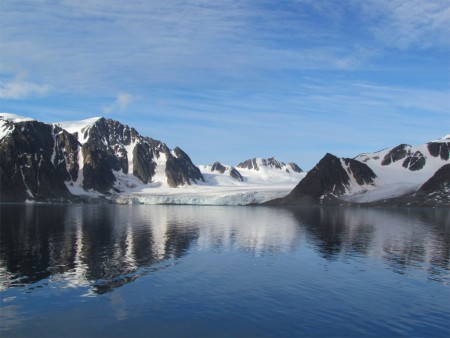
column 360, row 171
column 327, row 181
column 396, row 154
column 414, row 162
column 440, row 180
column 295, row 167
column 143, row 164
column 180, row 170
column 217, row 166
column 411, row 160
column 271, row 162
column 439, row 149
column 249, row 164
column 35, row 161
column 234, row 173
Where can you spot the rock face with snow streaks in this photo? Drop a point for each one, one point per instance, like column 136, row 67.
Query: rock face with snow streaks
column 403, row 175
column 180, row 169
column 44, row 162
column 232, row 171
column 272, row 162
column 331, row 178
column 35, row 161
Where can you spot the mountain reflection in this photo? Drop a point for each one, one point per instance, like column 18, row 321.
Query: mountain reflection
column 104, row 247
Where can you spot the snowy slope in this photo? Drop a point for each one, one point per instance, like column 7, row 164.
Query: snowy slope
column 81, row 128
column 403, row 169
column 218, row 189
column 7, row 121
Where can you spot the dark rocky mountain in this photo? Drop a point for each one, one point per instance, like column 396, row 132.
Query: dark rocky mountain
column 114, row 147
column 180, row 169
column 331, row 178
column 35, row 161
column 232, row 171
column 272, row 162
column 440, row 180
column 43, row 162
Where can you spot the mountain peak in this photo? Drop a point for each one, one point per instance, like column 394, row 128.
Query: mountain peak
column 272, row 163
column 14, row 117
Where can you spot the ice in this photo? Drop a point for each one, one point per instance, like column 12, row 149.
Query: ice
column 14, row 117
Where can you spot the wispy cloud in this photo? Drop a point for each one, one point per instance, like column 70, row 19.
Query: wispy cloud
column 18, row 88
column 407, row 24
column 265, row 74
column 120, row 105
column 99, row 45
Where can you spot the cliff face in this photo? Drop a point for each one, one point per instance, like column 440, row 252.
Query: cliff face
column 36, row 160
column 43, row 162
column 331, row 178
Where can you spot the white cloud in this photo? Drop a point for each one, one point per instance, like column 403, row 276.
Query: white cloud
column 408, row 24
column 123, row 100
column 17, row 89
column 121, row 103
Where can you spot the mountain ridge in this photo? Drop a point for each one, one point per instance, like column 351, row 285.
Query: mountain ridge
column 101, row 158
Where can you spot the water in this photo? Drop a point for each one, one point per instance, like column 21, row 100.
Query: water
column 135, row 270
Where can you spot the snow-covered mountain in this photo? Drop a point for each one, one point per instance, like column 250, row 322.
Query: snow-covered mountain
column 403, row 175
column 103, row 158
column 404, row 169
column 268, row 165
column 134, row 159
column 219, row 168
column 47, row 162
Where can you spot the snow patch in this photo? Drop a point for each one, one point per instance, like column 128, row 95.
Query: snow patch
column 81, row 127
column 14, row 117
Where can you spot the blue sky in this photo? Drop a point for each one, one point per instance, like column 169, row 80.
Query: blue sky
column 228, row 80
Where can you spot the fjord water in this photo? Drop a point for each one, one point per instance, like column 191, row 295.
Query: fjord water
column 136, row 270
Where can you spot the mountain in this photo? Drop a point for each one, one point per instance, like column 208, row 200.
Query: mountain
column 403, row 175
column 264, row 164
column 332, row 177
column 54, row 162
column 227, row 170
column 35, row 161
column 101, row 159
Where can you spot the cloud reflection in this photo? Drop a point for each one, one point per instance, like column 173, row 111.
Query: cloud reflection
column 100, row 248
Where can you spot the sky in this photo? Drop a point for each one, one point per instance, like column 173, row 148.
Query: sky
column 229, row 80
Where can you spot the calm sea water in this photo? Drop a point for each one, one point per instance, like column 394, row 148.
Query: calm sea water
column 93, row 270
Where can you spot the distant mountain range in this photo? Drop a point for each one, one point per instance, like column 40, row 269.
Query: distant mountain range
column 101, row 159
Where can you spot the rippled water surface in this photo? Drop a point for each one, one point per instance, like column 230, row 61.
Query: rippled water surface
column 135, row 270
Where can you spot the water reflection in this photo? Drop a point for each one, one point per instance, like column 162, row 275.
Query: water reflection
column 401, row 238
column 104, row 247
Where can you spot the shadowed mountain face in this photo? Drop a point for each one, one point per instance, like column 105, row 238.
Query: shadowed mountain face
column 440, row 180
column 232, row 171
column 439, row 149
column 39, row 161
column 35, row 161
column 329, row 179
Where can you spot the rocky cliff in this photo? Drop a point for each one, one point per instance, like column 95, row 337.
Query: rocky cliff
column 46, row 162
